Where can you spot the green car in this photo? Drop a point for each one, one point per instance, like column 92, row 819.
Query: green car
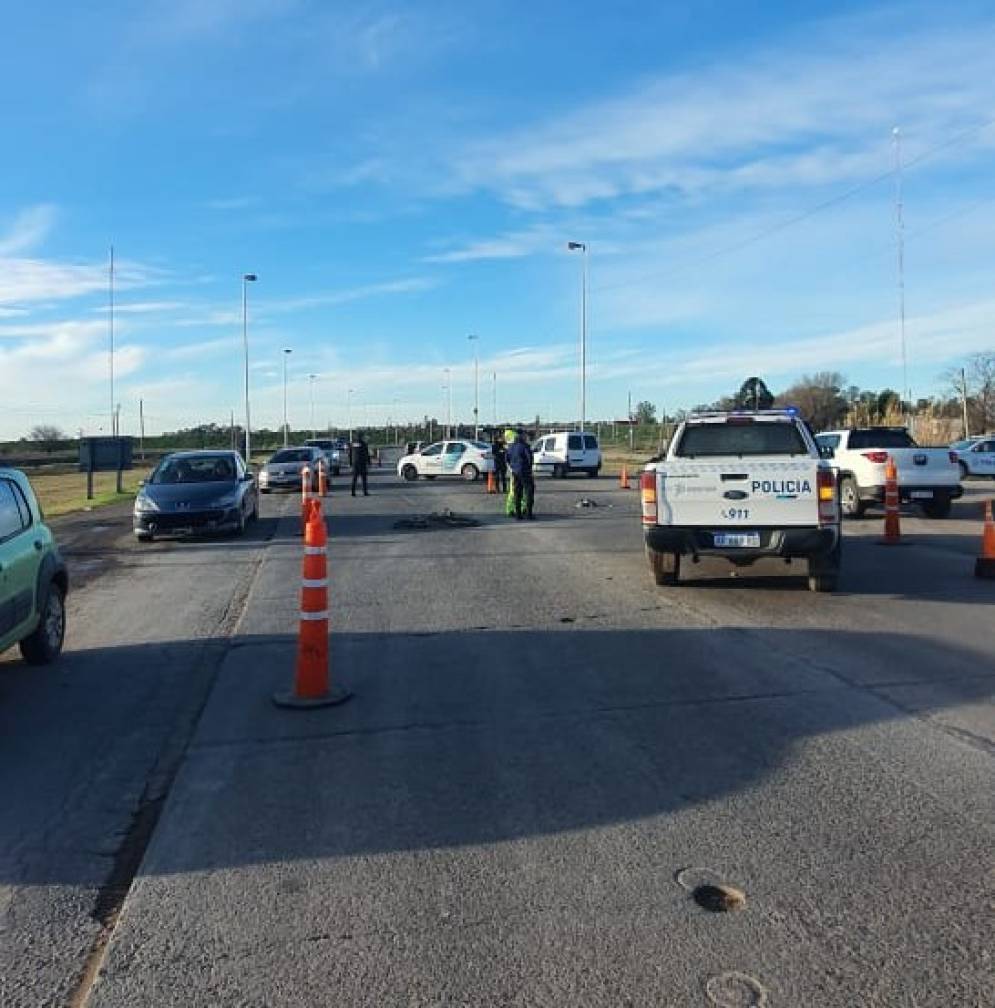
column 33, row 580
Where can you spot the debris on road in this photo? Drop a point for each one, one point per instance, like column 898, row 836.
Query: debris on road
column 437, row 519
column 586, row 502
column 719, row 898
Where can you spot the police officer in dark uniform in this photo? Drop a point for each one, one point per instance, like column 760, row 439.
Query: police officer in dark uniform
column 500, row 452
column 523, row 482
column 359, row 459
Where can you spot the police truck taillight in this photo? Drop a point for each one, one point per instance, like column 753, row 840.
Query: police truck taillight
column 647, row 491
column 825, row 483
column 877, row 457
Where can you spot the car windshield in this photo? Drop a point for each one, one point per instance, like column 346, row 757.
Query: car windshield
column 195, row 469
column 292, row 455
column 480, row 446
column 960, row 445
column 323, row 445
column 741, row 439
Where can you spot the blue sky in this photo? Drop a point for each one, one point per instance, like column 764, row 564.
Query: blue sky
column 402, row 175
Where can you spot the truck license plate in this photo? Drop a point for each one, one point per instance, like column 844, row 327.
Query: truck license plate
column 741, row 539
column 921, row 494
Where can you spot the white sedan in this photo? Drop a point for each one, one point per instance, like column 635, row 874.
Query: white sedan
column 466, row 459
column 976, row 456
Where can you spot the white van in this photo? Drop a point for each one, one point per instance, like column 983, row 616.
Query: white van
column 563, row 452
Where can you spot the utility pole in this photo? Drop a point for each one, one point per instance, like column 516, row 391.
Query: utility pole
column 582, row 247
column 494, row 376
column 141, row 429
column 632, row 429
column 247, row 278
column 234, row 446
column 963, row 399
column 110, row 326
column 900, row 236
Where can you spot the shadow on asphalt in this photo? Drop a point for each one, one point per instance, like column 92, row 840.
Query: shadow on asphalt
column 452, row 738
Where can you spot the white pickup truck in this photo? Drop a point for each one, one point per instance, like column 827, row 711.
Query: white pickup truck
column 742, row 485
column 929, row 477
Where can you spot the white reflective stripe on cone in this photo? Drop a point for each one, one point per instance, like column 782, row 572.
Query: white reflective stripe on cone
column 314, row 550
column 313, row 617
column 314, row 583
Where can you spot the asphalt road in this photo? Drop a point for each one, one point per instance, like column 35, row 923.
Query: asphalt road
column 540, row 744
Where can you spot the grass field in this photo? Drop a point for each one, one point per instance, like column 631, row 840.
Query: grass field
column 63, row 491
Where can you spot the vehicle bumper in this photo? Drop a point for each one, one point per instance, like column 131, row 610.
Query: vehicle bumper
column 281, row 483
column 804, row 541
column 181, row 522
column 912, row 494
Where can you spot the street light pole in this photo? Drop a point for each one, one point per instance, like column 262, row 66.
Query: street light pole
column 449, row 401
column 349, row 395
column 311, row 380
column 247, row 278
column 476, row 386
column 286, row 426
column 494, row 376
column 582, row 247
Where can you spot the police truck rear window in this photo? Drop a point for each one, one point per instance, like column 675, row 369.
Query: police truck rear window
column 703, row 440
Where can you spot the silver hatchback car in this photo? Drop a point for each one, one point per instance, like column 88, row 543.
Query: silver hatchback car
column 283, row 470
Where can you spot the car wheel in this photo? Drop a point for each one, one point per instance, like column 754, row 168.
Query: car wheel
column 824, row 571
column 937, row 509
column 595, row 472
column 410, row 473
column 143, row 536
column 964, row 471
column 44, row 645
column 665, row 567
column 470, row 472
column 561, row 471
column 430, row 477
column 264, row 489
column 850, row 503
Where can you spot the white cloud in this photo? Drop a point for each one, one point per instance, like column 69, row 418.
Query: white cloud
column 410, row 285
column 28, row 229
column 510, row 245
column 810, row 111
column 25, row 280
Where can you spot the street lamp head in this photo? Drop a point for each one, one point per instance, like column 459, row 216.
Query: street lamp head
column 573, row 246
column 250, row 277
column 288, row 350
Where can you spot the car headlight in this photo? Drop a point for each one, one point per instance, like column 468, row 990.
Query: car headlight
column 143, row 504
column 228, row 502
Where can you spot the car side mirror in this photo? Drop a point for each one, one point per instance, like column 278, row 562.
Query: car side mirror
column 247, row 478
column 141, row 483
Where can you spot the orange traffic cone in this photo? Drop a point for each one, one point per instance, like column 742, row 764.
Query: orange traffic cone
column 311, row 679
column 984, row 566
column 892, row 524
column 491, row 485
column 322, row 480
column 623, row 479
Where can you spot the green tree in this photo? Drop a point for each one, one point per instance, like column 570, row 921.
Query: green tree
column 754, row 394
column 645, row 413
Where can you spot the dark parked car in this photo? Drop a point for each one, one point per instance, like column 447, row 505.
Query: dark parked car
column 196, row 491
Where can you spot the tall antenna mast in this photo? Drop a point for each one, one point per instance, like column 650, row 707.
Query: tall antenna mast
column 896, row 135
column 110, row 316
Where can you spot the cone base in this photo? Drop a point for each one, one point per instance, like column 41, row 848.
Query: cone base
column 332, row 698
column 892, row 542
column 984, row 567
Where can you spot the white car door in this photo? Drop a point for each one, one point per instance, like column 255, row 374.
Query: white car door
column 452, row 458
column 982, row 459
column 575, row 451
column 430, row 460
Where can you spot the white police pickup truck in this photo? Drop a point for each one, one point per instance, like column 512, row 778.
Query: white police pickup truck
column 742, row 485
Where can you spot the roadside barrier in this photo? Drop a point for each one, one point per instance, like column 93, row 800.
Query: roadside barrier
column 491, row 483
column 892, row 523
column 623, row 479
column 312, row 686
column 322, row 479
column 984, row 566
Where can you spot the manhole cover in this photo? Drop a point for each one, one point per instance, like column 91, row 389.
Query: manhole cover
column 735, row 990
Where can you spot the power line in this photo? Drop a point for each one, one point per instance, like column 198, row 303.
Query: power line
column 798, row 218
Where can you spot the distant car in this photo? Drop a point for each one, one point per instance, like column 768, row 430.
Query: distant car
column 975, row 456
column 564, row 452
column 466, row 459
column 283, row 470
column 196, row 491
column 333, row 450
column 33, row 579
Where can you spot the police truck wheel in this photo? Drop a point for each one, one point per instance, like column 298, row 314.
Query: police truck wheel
column 410, row 473
column 665, row 567
column 470, row 473
column 850, row 503
column 45, row 644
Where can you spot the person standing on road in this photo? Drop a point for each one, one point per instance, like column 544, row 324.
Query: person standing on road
column 499, row 449
column 523, row 482
column 359, row 459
